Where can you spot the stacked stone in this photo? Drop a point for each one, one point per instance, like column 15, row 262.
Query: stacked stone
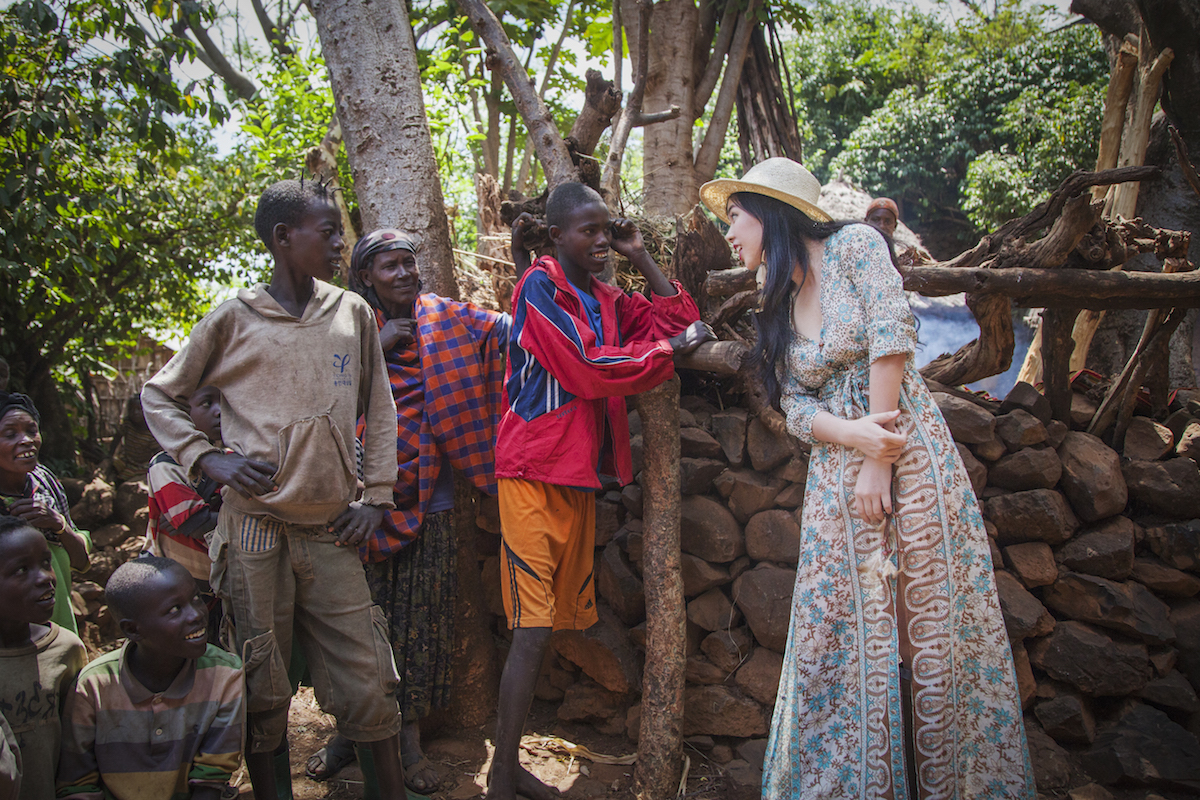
column 1097, row 556
column 116, row 518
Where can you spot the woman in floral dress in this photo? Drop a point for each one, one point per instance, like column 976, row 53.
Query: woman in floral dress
column 898, row 679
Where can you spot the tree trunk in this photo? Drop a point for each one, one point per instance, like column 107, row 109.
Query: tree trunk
column 766, row 125
column 368, row 46
column 668, row 177
column 660, row 742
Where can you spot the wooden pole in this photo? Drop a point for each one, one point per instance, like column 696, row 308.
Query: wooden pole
column 1056, row 356
column 660, row 741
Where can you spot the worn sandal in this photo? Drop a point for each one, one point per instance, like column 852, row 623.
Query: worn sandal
column 421, row 765
column 330, row 759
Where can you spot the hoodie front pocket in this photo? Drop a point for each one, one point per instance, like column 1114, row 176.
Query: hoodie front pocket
column 315, row 468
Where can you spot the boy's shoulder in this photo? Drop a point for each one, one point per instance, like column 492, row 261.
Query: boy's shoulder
column 215, row 657
column 107, row 665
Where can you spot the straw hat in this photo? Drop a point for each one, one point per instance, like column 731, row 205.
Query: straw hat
column 780, row 178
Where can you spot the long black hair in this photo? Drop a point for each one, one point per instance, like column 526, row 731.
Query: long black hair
column 786, row 229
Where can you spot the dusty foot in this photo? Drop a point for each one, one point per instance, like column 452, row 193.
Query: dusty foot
column 419, row 775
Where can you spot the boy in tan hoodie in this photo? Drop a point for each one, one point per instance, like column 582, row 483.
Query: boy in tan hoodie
column 297, row 362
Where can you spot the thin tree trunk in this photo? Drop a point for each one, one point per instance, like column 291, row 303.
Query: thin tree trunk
column 547, row 141
column 368, row 45
column 766, row 125
column 668, row 175
column 660, row 741
column 1123, row 200
column 714, row 137
column 610, row 181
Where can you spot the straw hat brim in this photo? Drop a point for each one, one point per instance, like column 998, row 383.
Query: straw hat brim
column 715, row 195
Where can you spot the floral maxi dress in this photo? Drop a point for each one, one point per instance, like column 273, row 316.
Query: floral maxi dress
column 837, row 730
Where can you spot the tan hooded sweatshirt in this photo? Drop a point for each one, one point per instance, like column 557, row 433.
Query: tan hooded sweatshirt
column 292, row 390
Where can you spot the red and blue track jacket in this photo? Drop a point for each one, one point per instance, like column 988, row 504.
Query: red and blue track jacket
column 566, row 390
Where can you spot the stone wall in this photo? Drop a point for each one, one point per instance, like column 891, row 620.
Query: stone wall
column 1097, row 558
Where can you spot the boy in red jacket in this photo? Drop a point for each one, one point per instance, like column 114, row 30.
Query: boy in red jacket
column 577, row 348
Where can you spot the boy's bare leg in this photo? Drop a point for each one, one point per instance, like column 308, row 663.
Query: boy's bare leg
column 508, row 777
column 389, row 772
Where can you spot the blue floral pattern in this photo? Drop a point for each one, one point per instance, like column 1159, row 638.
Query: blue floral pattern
column 837, row 729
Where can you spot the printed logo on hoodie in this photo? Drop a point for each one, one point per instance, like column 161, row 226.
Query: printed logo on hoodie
column 340, row 378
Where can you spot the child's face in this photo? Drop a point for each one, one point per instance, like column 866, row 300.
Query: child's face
column 315, row 244
column 204, row 406
column 394, row 276
column 26, row 577
column 172, row 621
column 20, row 441
column 583, row 242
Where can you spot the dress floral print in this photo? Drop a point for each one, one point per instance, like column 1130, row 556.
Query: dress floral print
column 837, row 729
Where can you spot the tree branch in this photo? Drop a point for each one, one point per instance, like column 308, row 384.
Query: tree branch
column 610, row 180
column 714, row 137
column 235, row 81
column 656, row 116
column 276, row 35
column 712, row 69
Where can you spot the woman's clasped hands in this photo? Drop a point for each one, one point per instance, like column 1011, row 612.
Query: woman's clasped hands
column 881, row 447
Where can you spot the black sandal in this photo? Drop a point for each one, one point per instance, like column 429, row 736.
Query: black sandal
column 330, row 759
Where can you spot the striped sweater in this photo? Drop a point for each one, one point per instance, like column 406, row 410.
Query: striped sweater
column 122, row 741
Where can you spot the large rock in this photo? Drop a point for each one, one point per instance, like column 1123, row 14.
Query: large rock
column 587, row 702
column 721, row 711
column 1163, row 580
column 773, row 536
column 603, row 652
column 968, row 423
column 1037, row 515
column 1092, row 477
column 1031, row 468
column 1146, row 440
column 1146, row 749
column 1185, row 618
column 620, row 587
column 708, row 530
column 699, row 576
column 729, row 429
column 751, row 492
column 766, row 450
column 764, row 594
column 759, row 676
column 1019, row 429
column 727, row 648
column 112, row 535
column 1189, row 442
column 1067, row 718
column 95, row 506
column 977, row 471
column 131, row 497
column 1024, row 616
column 1105, row 549
column 1026, row 683
column 608, row 518
column 1032, row 562
column 991, row 450
column 712, row 611
column 1178, row 544
column 1171, row 693
column 1027, row 398
column 698, row 443
column 632, row 498
column 1091, row 661
column 1127, row 608
column 1170, row 488
column 700, row 670
column 1051, row 769
column 696, row 475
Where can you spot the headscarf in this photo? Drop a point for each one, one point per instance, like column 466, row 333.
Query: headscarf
column 377, row 241
column 16, row 400
column 886, row 203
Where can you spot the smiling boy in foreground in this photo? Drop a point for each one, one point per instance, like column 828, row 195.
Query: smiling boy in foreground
column 162, row 716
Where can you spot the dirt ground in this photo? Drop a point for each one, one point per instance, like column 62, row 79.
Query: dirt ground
column 462, row 759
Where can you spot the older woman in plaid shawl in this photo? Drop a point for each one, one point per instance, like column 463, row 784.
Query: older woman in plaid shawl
column 444, row 361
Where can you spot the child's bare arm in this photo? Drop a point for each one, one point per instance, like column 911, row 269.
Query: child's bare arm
column 522, row 227
column 627, row 240
column 238, row 472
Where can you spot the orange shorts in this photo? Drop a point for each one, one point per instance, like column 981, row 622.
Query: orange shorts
column 549, row 535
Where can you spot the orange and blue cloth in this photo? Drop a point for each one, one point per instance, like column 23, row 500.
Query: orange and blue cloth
column 449, row 393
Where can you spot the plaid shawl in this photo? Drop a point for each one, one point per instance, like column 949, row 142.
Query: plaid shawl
column 448, row 391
